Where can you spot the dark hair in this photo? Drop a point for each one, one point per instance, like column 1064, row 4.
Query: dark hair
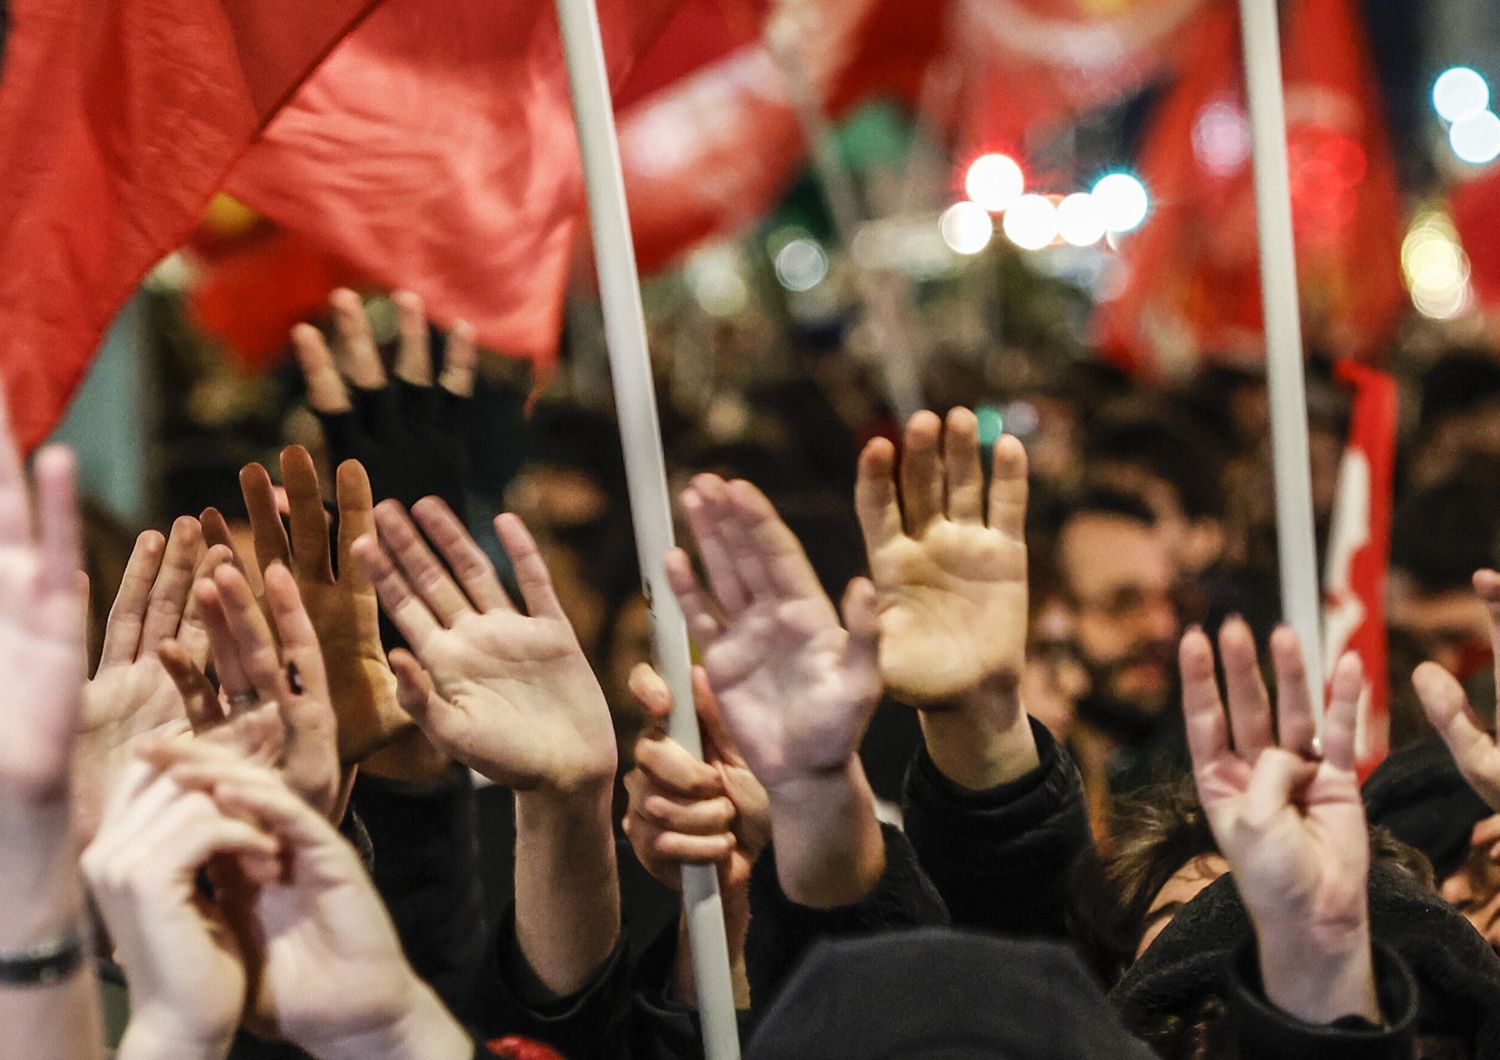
column 1444, row 533
column 1157, row 831
column 1167, row 447
column 1461, row 380
column 1101, row 500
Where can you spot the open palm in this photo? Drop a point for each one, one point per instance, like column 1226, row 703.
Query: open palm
column 508, row 694
column 795, row 688
column 951, row 586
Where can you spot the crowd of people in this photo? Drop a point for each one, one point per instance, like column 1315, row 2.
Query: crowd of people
column 1047, row 780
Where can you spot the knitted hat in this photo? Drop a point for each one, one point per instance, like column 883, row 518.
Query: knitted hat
column 1421, row 797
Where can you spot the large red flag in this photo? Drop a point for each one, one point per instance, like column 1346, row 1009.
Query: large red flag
column 1193, row 272
column 118, row 120
column 1476, row 216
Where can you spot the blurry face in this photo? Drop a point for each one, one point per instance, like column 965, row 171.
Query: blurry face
column 1055, row 678
column 1474, row 890
column 1185, row 885
column 1452, row 627
column 1122, row 579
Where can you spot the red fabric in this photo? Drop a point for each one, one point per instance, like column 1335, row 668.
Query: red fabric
column 513, row 1047
column 712, row 153
column 247, row 296
column 702, row 32
column 1359, row 552
column 1476, row 215
column 118, row 120
column 1193, row 284
column 436, row 151
column 1035, row 62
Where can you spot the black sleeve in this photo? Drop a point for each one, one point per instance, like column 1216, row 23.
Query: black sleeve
column 590, row 1024
column 781, row 930
column 661, row 1028
column 1000, row 857
column 1261, row 1029
column 426, row 870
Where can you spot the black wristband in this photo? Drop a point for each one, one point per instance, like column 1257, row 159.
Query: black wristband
column 43, row 965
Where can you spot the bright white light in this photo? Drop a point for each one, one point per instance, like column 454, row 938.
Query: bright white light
column 994, row 182
column 966, row 227
column 714, row 277
column 1124, row 201
column 1032, row 222
column 801, row 265
column 1435, row 267
column 1221, row 137
column 1476, row 140
column 1460, row 93
column 1080, row 221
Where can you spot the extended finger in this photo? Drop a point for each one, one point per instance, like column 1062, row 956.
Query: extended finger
column 15, row 506
column 463, row 555
column 234, row 686
column 1294, row 711
column 1202, row 709
column 127, row 617
column 1487, row 585
column 769, row 544
column 405, row 608
column 266, row 531
column 650, row 691
column 325, row 387
column 921, row 472
column 253, row 641
column 174, row 581
column 192, row 634
column 414, row 355
column 300, row 652
column 356, row 515
column 428, row 578
column 59, row 528
column 356, row 353
column 712, row 550
column 531, row 571
column 1341, row 720
column 460, row 359
column 1473, row 749
column 1249, row 703
column 307, row 515
column 1009, row 488
column 216, row 532
column 875, row 498
column 199, row 697
column 697, row 609
column 965, row 479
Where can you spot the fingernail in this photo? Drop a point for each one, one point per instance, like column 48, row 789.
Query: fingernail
column 294, row 678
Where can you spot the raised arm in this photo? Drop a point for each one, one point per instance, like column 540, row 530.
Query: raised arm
column 512, row 696
column 950, row 576
column 795, row 686
column 1288, row 820
column 49, row 1005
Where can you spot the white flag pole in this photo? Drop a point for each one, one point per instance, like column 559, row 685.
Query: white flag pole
column 645, row 472
column 1284, row 362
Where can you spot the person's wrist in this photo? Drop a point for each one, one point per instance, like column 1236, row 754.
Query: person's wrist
column 829, row 848
column 152, row 1034
column 984, row 739
column 40, row 886
column 422, row 1029
column 1318, row 977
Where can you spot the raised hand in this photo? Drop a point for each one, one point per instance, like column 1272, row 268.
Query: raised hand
column 409, row 435
column 344, row 611
column 264, row 676
column 329, row 974
column 1447, row 707
column 1290, row 823
column 951, row 583
column 131, row 697
column 796, row 687
column 508, row 694
column 181, row 955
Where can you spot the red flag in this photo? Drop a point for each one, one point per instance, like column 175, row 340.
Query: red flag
column 1359, row 551
column 435, row 150
column 1476, row 216
column 1193, row 282
column 712, row 153
column 119, row 119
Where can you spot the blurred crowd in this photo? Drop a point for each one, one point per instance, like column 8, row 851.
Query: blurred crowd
column 1006, row 750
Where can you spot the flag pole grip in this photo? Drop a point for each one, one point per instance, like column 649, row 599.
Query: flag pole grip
column 646, row 478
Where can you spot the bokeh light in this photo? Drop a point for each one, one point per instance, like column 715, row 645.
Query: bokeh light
column 801, row 265
column 1460, row 93
column 1476, row 140
column 994, row 181
column 1435, row 267
column 1080, row 221
column 1031, row 223
column 967, row 227
column 1124, row 201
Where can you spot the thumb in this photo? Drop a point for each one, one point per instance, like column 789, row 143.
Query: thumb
column 861, row 655
column 718, row 745
column 199, row 697
column 414, row 691
column 1473, row 749
column 651, row 692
